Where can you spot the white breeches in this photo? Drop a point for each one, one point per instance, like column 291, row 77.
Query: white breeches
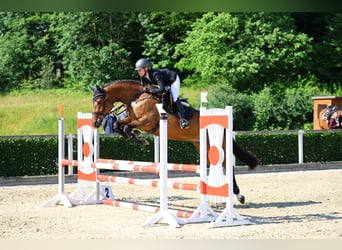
column 175, row 86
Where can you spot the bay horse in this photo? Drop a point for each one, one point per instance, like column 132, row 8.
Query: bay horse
column 142, row 114
column 324, row 117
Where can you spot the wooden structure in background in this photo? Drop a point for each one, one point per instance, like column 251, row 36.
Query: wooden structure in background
column 322, row 102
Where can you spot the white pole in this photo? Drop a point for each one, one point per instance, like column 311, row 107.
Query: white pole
column 300, row 146
column 79, row 141
column 203, row 157
column 163, row 213
column 70, row 153
column 96, row 158
column 163, row 162
column 156, row 148
column 61, row 197
column 229, row 161
column 61, row 155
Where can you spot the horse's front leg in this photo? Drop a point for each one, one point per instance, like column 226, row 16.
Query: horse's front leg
column 118, row 127
column 125, row 131
column 129, row 133
column 119, row 130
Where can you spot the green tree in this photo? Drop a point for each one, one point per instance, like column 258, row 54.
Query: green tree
column 90, row 47
column 326, row 63
column 247, row 50
column 222, row 95
column 24, row 50
column 162, row 32
column 267, row 110
column 290, row 108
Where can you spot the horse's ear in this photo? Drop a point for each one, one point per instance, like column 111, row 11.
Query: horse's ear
column 98, row 88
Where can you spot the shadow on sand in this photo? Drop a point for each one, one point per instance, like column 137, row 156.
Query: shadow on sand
column 286, row 218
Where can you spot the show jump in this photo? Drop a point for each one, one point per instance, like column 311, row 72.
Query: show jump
column 215, row 183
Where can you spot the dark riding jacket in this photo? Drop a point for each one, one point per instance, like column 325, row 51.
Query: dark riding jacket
column 162, row 77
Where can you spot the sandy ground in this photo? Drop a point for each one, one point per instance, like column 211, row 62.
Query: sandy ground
column 285, row 205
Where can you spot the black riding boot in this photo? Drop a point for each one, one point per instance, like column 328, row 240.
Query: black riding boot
column 184, row 124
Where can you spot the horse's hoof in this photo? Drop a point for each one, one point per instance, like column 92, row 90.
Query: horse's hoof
column 140, row 142
column 241, row 198
column 250, row 168
column 254, row 164
column 135, row 141
column 144, row 142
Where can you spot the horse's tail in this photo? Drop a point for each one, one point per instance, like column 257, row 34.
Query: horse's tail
column 245, row 156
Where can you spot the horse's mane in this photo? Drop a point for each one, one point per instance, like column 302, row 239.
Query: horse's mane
column 121, row 81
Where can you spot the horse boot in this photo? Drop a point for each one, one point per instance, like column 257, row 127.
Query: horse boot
column 184, row 124
column 119, row 130
column 132, row 137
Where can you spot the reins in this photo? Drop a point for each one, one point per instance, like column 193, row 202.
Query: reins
column 104, row 96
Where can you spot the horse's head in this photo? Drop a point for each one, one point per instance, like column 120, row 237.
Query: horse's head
column 101, row 106
column 124, row 91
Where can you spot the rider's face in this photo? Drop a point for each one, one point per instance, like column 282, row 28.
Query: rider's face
column 141, row 72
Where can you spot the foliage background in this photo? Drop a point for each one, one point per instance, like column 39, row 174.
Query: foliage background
column 266, row 65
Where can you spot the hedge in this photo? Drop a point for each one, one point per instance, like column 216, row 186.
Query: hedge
column 31, row 156
column 28, row 156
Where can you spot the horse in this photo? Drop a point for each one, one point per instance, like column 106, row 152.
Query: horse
column 325, row 114
column 143, row 115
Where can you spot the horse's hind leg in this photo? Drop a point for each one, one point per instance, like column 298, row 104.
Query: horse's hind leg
column 236, row 191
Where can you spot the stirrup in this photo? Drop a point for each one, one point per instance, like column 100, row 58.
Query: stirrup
column 184, row 124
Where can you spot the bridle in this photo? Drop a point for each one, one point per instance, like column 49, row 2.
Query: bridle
column 97, row 96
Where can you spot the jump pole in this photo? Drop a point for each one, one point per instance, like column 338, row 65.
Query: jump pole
column 135, row 166
column 164, row 213
column 149, row 183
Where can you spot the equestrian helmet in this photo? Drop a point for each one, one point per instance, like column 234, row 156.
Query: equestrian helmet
column 142, row 63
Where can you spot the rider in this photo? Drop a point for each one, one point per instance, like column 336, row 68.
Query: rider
column 334, row 121
column 164, row 78
column 108, row 123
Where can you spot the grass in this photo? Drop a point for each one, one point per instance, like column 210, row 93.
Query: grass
column 37, row 112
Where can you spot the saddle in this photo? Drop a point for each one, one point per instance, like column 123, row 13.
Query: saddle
column 170, row 107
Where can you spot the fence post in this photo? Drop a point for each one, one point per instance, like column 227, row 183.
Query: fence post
column 156, row 148
column 70, row 153
column 300, row 146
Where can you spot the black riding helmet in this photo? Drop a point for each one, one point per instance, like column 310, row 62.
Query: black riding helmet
column 142, row 63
